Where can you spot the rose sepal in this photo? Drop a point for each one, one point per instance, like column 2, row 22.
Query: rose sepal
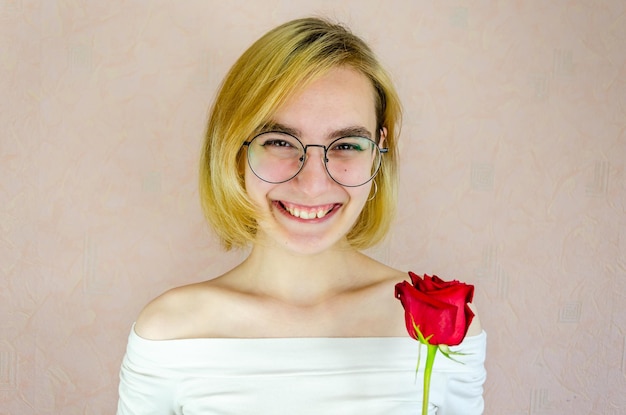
column 445, row 350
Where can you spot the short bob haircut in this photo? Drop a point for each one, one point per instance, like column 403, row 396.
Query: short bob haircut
column 276, row 66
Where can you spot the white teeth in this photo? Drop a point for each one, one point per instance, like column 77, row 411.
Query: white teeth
column 303, row 214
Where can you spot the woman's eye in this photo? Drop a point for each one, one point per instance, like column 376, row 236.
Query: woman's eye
column 348, row 146
column 276, row 143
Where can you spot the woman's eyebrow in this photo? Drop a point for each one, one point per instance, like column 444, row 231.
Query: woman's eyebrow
column 278, row 127
column 351, row 131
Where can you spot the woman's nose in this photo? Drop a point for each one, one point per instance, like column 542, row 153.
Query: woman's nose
column 313, row 177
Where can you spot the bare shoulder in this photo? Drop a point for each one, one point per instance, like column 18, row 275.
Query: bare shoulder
column 164, row 313
column 181, row 312
column 376, row 272
column 475, row 327
column 383, row 313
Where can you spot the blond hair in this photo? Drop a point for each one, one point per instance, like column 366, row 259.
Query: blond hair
column 276, row 66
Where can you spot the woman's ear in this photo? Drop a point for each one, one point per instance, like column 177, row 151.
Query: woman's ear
column 383, row 137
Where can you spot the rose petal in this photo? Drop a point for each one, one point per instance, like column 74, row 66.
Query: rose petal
column 438, row 307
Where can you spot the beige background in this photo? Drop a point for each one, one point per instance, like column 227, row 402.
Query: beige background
column 513, row 151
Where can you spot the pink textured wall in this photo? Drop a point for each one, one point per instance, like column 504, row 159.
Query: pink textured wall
column 514, row 149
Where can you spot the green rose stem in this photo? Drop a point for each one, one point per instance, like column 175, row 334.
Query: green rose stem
column 428, row 370
column 430, row 360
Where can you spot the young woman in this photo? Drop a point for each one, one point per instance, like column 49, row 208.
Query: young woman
column 300, row 163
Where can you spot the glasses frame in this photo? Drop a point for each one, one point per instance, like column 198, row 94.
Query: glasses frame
column 303, row 158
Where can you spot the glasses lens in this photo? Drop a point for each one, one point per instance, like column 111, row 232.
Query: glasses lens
column 275, row 157
column 353, row 161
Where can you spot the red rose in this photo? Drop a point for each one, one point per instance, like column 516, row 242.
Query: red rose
column 437, row 307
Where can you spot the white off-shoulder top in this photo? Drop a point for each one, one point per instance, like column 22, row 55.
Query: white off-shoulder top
column 362, row 375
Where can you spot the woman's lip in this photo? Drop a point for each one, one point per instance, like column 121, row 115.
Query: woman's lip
column 306, row 213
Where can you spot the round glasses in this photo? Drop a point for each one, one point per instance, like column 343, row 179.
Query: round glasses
column 277, row 157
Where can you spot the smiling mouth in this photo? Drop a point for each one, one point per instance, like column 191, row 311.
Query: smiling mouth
column 307, row 213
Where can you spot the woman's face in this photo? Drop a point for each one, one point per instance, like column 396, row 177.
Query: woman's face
column 311, row 213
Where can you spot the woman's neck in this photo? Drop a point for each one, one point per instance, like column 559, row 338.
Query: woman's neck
column 301, row 278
